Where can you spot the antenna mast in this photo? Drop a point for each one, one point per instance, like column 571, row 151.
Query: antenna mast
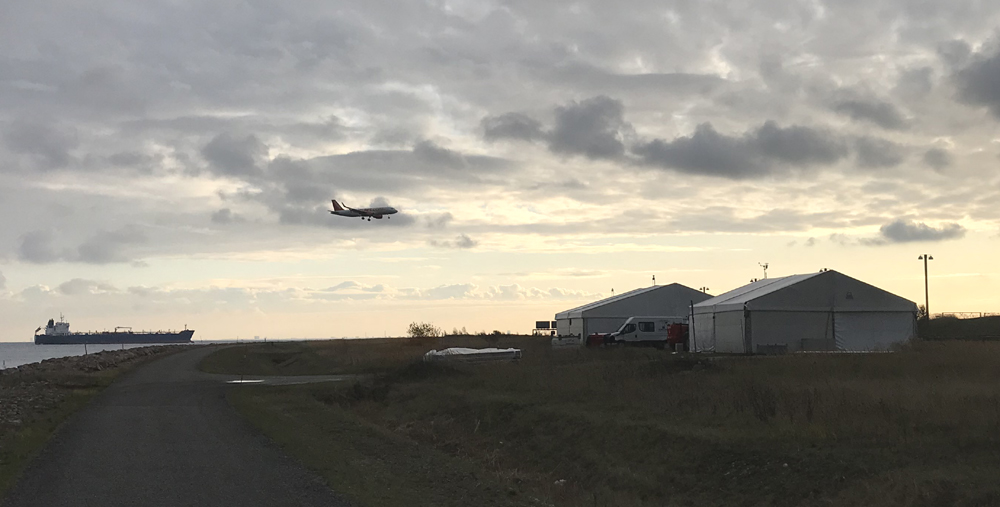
column 763, row 265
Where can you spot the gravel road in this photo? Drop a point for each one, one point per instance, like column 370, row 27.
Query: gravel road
column 164, row 435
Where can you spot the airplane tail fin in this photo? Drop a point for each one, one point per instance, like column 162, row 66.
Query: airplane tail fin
column 336, row 207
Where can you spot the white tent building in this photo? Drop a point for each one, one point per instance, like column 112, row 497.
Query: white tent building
column 825, row 311
column 607, row 315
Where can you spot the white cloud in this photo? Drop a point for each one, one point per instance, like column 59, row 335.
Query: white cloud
column 649, row 140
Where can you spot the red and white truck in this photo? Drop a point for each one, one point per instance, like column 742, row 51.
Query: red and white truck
column 660, row 332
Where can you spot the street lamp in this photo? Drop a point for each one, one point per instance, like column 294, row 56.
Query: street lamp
column 927, row 299
column 704, row 289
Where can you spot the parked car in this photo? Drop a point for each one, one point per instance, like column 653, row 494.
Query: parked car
column 655, row 331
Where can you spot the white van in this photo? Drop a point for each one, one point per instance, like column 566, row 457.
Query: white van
column 643, row 330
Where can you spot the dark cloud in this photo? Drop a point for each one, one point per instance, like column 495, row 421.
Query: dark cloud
column 428, row 152
column 136, row 160
column 235, row 156
column 757, row 152
column 132, row 91
column 512, row 126
column 439, row 221
column 127, row 158
column 393, row 137
column 595, row 128
column 906, row 231
column 46, row 144
column 875, row 152
column 462, row 241
column 979, row 82
column 331, row 129
column 104, row 247
column 915, row 83
column 104, row 89
column 36, row 247
column 954, row 52
column 798, row 145
column 107, row 247
column 594, row 79
column 704, row 152
column 883, row 114
column 298, row 191
column 225, row 216
column 937, row 158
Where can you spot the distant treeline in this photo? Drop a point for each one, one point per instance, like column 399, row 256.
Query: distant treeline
column 952, row 328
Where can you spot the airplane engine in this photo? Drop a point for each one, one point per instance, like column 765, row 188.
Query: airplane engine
column 379, row 217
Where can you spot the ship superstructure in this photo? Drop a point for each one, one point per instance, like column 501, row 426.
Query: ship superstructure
column 58, row 333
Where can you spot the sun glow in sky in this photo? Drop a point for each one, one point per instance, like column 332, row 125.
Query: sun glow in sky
column 171, row 163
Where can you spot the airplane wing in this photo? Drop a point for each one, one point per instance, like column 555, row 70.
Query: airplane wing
column 363, row 212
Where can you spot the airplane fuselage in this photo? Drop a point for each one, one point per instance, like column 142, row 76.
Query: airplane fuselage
column 376, row 213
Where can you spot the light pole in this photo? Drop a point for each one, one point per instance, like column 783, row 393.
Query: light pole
column 704, row 289
column 927, row 299
column 763, row 265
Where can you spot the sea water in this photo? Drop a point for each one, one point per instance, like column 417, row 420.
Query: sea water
column 13, row 354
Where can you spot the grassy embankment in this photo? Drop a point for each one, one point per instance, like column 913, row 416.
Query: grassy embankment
column 35, row 399
column 639, row 427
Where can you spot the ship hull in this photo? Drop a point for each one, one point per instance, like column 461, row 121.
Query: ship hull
column 114, row 338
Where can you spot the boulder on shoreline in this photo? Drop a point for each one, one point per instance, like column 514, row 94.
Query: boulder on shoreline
column 96, row 361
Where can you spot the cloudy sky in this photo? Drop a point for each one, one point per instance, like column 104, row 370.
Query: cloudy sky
column 171, row 163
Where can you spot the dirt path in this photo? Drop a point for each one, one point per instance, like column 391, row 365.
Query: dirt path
column 165, row 435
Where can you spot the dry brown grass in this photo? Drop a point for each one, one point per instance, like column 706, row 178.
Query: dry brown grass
column 920, row 426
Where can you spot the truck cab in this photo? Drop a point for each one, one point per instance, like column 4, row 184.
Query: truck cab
column 656, row 331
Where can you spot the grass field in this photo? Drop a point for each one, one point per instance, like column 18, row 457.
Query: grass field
column 630, row 427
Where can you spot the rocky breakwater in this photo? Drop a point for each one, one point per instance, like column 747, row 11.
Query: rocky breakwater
column 32, row 390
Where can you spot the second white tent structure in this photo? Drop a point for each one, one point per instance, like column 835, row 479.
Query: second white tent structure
column 825, row 311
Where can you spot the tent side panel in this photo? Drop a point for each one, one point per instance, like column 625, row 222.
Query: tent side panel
column 562, row 327
column 729, row 332
column 703, row 339
column 796, row 330
column 862, row 331
column 569, row 327
column 812, row 293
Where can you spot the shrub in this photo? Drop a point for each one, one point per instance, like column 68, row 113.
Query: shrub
column 423, row 330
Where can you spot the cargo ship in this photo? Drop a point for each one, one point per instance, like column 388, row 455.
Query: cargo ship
column 58, row 333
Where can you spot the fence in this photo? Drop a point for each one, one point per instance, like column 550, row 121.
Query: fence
column 965, row 315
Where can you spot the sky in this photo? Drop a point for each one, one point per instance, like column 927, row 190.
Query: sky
column 171, row 163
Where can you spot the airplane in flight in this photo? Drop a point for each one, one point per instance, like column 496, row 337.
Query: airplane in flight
column 364, row 213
